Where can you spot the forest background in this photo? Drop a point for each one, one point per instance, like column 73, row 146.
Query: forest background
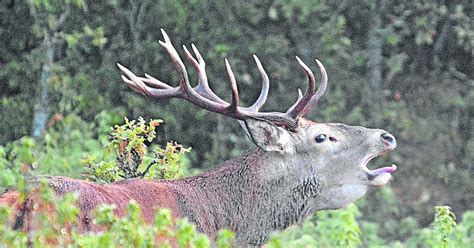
column 404, row 66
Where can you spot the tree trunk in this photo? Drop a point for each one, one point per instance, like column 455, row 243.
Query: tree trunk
column 42, row 107
column 50, row 24
column 375, row 43
column 136, row 18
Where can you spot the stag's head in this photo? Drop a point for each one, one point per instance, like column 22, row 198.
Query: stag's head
column 335, row 155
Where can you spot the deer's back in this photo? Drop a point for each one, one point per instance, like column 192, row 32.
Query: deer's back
column 150, row 195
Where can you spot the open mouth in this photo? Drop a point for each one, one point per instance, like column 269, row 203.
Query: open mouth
column 380, row 176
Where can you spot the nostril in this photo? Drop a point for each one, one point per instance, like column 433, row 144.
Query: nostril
column 388, row 137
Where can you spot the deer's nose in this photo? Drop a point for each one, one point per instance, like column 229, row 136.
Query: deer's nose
column 388, row 138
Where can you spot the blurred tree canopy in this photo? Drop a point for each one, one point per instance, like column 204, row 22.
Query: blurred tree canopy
column 404, row 66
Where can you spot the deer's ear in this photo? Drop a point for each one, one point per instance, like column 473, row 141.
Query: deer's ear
column 267, row 136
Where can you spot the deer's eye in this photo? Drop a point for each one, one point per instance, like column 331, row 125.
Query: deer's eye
column 320, row 138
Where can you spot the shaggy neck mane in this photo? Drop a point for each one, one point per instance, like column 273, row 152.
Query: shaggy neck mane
column 241, row 195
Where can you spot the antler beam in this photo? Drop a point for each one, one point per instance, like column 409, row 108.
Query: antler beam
column 203, row 97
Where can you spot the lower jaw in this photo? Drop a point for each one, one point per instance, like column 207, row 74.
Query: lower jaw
column 380, row 180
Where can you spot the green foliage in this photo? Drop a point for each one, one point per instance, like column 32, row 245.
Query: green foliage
column 444, row 231
column 304, row 9
column 68, row 140
column 225, row 238
column 340, row 227
column 65, row 144
column 134, row 158
column 95, row 35
column 327, row 229
column 51, row 6
column 463, row 28
column 466, row 228
column 444, row 226
column 15, row 159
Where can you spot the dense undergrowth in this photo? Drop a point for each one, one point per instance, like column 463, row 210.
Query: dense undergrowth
column 73, row 147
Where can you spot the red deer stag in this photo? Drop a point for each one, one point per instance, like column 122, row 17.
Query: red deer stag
column 297, row 168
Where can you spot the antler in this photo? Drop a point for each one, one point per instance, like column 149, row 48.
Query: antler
column 203, row 97
column 305, row 103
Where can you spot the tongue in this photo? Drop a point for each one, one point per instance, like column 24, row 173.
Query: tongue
column 388, row 169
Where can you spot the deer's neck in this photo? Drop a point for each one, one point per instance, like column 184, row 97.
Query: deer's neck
column 251, row 195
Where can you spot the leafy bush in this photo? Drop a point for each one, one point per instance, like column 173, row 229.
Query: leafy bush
column 134, row 158
column 445, row 232
column 325, row 229
column 67, row 141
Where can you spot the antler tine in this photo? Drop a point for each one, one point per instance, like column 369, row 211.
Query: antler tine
column 203, row 86
column 198, row 54
column 262, row 98
column 311, row 79
column 198, row 66
column 170, row 48
column 179, row 65
column 137, row 84
column 132, row 85
column 300, row 96
column 322, row 88
column 235, row 93
column 154, row 82
column 300, row 105
column 324, row 79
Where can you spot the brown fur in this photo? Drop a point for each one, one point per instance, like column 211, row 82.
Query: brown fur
column 150, row 195
column 12, row 200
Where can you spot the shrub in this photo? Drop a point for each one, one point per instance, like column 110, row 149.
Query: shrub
column 134, row 158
